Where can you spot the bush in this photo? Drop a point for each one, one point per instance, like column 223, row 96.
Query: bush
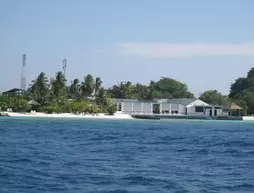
column 67, row 107
column 111, row 109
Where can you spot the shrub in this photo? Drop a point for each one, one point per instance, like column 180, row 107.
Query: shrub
column 111, row 109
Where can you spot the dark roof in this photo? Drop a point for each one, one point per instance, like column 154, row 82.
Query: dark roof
column 14, row 91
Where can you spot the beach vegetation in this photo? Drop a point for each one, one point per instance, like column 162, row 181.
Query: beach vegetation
column 242, row 92
column 87, row 95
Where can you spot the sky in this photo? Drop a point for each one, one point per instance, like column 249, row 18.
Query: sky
column 205, row 44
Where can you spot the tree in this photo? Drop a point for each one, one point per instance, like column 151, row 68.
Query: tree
column 58, row 87
column 242, row 91
column 121, row 90
column 153, row 93
column 164, row 88
column 170, row 88
column 250, row 74
column 101, row 97
column 238, row 87
column 87, row 87
column 74, row 89
column 97, row 85
column 39, row 88
column 3, row 102
column 141, row 91
column 213, row 97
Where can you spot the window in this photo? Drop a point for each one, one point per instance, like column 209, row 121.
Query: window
column 199, row 109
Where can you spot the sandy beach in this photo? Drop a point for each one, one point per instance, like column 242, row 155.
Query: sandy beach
column 82, row 116
column 70, row 115
column 248, row 118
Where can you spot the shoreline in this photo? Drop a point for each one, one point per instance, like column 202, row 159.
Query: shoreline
column 69, row 115
column 96, row 116
column 248, row 118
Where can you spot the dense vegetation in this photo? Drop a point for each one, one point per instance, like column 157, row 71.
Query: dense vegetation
column 241, row 93
column 88, row 95
column 54, row 96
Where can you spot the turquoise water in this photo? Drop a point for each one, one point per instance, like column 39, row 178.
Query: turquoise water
column 76, row 156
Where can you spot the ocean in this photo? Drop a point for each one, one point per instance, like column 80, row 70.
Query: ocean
column 40, row 155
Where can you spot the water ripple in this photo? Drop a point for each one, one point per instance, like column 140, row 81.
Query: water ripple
column 109, row 156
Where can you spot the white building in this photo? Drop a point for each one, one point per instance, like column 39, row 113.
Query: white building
column 167, row 106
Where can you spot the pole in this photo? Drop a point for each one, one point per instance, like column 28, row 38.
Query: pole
column 64, row 66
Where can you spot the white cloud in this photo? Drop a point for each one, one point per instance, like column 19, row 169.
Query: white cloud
column 185, row 50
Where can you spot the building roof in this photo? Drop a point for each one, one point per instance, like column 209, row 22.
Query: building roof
column 233, row 106
column 33, row 102
column 183, row 102
column 14, row 91
column 198, row 102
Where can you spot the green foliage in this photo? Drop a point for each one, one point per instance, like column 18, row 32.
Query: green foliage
column 39, row 88
column 97, row 85
column 3, row 102
column 74, row 90
column 164, row 88
column 111, row 109
column 242, row 92
column 80, row 106
column 58, row 88
column 16, row 103
column 170, row 88
column 90, row 96
column 214, row 97
column 87, row 87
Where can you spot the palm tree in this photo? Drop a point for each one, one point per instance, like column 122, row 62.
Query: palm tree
column 39, row 88
column 102, row 98
column 97, row 86
column 58, row 88
column 74, row 89
column 87, row 87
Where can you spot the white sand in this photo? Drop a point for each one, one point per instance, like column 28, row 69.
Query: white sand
column 248, row 118
column 99, row 116
column 70, row 115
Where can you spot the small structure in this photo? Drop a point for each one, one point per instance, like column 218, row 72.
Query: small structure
column 14, row 91
column 33, row 103
column 232, row 109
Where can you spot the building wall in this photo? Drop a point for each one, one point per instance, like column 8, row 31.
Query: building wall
column 137, row 107
column 220, row 112
column 148, row 108
column 191, row 111
column 127, row 107
column 173, row 107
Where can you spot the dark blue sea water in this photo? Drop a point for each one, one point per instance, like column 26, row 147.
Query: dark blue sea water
column 76, row 156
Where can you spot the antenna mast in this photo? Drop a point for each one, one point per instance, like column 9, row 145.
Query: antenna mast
column 23, row 79
column 64, row 65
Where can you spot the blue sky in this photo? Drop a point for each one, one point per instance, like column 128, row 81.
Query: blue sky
column 204, row 44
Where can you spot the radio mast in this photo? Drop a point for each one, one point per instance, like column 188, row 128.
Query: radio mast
column 64, row 66
column 23, row 79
